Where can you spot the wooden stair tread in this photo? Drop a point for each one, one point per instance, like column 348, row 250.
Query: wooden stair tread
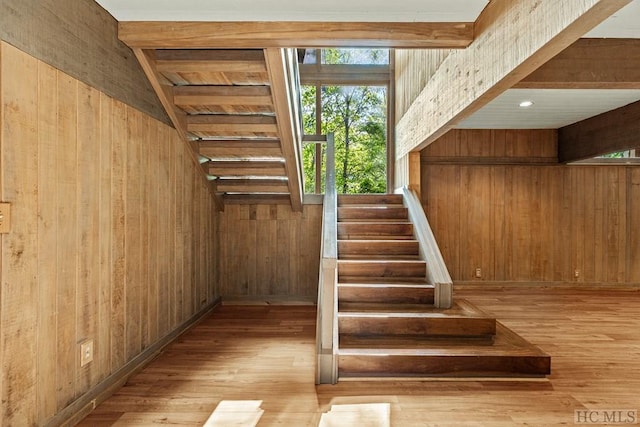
column 417, row 293
column 410, row 342
column 349, row 199
column 373, row 280
column 415, row 286
column 408, row 249
column 509, row 356
column 505, row 343
column 372, row 213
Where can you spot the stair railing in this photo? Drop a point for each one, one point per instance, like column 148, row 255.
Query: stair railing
column 326, row 325
column 437, row 273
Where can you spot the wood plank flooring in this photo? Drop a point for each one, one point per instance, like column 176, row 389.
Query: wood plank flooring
column 267, row 353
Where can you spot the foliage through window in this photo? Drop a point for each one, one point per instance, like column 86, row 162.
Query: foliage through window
column 357, row 115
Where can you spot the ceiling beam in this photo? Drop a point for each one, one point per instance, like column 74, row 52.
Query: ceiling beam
column 590, row 64
column 616, row 130
column 513, row 38
column 212, row 35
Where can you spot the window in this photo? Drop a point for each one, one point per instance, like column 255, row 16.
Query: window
column 348, row 101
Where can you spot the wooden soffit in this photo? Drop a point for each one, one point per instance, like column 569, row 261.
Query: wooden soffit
column 286, row 34
column 615, row 130
column 590, row 64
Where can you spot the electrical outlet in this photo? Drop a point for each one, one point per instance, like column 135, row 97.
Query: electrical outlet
column 576, row 274
column 478, row 273
column 5, row 218
column 86, row 352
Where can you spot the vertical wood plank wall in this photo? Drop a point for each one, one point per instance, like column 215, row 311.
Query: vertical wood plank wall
column 269, row 252
column 413, row 68
column 80, row 38
column 103, row 246
column 497, row 200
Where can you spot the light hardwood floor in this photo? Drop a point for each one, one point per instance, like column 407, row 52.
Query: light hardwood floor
column 267, row 353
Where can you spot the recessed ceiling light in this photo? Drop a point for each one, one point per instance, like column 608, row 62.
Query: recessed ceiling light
column 526, row 104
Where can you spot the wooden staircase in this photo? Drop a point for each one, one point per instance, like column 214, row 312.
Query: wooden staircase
column 387, row 325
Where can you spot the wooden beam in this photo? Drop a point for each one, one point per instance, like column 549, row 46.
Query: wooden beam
column 468, row 79
column 222, row 95
column 243, row 149
column 165, row 95
column 211, row 35
column 616, row 130
column 345, row 74
column 590, row 64
column 283, row 90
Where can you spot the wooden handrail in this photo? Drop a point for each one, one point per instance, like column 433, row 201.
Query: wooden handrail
column 437, row 273
column 326, row 372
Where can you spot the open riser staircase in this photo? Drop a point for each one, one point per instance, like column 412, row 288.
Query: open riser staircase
column 386, row 324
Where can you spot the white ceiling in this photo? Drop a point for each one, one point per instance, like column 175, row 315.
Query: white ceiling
column 552, row 108
column 623, row 24
column 296, row 10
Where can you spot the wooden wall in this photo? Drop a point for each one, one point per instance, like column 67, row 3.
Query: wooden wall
column 497, row 201
column 269, row 252
column 113, row 236
column 80, row 38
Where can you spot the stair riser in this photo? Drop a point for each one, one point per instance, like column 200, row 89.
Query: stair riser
column 364, row 249
column 448, row 366
column 372, row 214
column 415, row 269
column 417, row 326
column 382, row 231
column 369, row 199
column 386, row 295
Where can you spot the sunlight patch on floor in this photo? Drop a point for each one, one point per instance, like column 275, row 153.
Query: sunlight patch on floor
column 361, row 415
column 236, row 413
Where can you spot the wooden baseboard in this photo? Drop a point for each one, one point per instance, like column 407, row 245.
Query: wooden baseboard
column 462, row 285
column 81, row 407
column 267, row 300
